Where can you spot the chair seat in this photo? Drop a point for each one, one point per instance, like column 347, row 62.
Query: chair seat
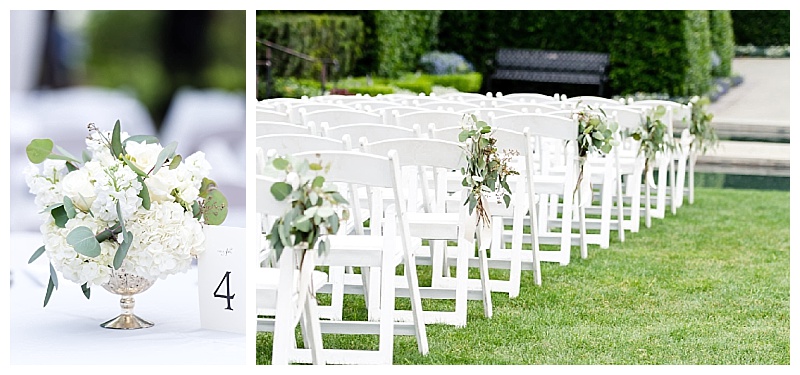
column 267, row 287
column 361, row 250
column 434, row 226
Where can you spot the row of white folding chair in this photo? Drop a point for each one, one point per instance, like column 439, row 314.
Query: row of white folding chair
column 388, row 246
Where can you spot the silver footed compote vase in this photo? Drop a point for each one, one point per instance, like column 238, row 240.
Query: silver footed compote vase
column 126, row 285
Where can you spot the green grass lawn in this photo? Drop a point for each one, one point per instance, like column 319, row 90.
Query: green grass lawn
column 709, row 285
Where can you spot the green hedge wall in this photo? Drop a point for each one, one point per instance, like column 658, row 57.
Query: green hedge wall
column 317, row 35
column 761, row 27
column 401, row 37
column 476, row 34
column 661, row 52
column 722, row 41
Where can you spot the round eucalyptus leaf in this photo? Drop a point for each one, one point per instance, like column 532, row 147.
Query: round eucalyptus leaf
column 83, row 241
column 215, row 208
column 38, row 150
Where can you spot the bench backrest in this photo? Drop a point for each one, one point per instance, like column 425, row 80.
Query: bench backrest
column 557, row 61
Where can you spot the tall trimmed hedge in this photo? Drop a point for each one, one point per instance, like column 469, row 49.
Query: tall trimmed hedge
column 476, row 34
column 401, row 37
column 762, row 28
column 722, row 41
column 316, row 35
column 661, row 52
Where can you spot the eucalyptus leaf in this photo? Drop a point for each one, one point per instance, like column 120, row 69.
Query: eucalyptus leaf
column 49, row 292
column 507, row 199
column 116, row 142
column 59, row 215
column 166, row 153
column 323, row 247
column 70, row 167
column 176, row 162
column 69, row 208
column 85, row 155
column 83, row 241
column 122, row 250
column 280, row 190
column 86, row 290
column 38, row 150
column 315, row 166
column 133, row 167
column 280, row 163
column 144, row 194
column 206, row 186
column 36, row 254
column 53, row 276
column 215, row 208
column 150, row 139
column 62, row 157
column 303, row 224
column 318, row 182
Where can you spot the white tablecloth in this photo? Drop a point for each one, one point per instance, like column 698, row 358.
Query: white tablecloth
column 68, row 330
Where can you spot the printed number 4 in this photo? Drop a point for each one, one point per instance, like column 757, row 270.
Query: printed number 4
column 228, row 296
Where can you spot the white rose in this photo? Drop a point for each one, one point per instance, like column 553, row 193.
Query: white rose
column 77, row 185
column 144, row 155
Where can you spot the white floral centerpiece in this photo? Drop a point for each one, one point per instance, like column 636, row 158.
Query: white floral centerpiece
column 128, row 203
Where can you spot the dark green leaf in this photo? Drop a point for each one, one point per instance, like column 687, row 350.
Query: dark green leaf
column 83, row 241
column 38, row 150
column 280, row 190
column 323, row 247
column 49, row 292
column 36, row 254
column 472, row 203
column 86, row 290
column 303, row 224
column 122, row 250
column 334, row 221
column 116, row 143
column 59, row 215
column 144, row 194
column 71, row 167
column 134, row 167
column 507, row 199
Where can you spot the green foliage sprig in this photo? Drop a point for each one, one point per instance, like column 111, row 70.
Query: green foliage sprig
column 653, row 136
column 314, row 205
column 595, row 132
column 704, row 136
column 487, row 170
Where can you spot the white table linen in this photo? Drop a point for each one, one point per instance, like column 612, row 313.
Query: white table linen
column 68, row 330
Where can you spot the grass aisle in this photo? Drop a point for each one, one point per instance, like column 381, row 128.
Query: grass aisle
column 707, row 286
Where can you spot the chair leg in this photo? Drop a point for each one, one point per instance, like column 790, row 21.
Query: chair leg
column 314, row 331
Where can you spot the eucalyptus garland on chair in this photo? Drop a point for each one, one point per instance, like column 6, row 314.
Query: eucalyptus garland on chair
column 704, row 136
column 487, row 170
column 314, row 205
column 653, row 136
column 595, row 135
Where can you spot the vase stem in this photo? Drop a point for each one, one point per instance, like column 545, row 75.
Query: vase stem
column 127, row 319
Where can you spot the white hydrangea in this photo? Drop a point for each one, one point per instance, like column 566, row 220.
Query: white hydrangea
column 165, row 238
column 99, row 147
column 76, row 267
column 44, row 184
column 116, row 183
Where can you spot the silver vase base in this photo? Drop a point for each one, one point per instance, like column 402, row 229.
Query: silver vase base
column 127, row 321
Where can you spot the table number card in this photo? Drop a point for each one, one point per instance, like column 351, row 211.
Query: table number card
column 221, row 279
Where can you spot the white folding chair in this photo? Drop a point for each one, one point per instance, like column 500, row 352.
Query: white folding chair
column 513, row 259
column 446, row 105
column 337, row 117
column 546, row 107
column 387, row 246
column 436, row 224
column 271, row 115
column 556, row 181
column 373, row 132
column 278, row 127
column 529, row 97
column 282, row 292
column 426, row 117
column 593, row 101
column 296, row 110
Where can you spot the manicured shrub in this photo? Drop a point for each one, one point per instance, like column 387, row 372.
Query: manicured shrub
column 317, row 35
column 761, row 28
column 401, row 37
column 470, row 82
column 722, row 41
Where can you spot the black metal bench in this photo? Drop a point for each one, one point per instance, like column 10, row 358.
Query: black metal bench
column 570, row 67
